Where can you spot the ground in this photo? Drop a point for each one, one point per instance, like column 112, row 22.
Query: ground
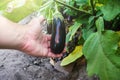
column 16, row 65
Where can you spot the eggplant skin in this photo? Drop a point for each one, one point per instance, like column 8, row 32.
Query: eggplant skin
column 58, row 36
column 49, row 28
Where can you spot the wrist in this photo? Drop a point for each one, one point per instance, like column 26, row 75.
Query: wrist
column 11, row 34
column 20, row 37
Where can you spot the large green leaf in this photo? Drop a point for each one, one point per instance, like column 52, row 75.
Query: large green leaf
column 110, row 8
column 16, row 10
column 86, row 32
column 77, row 53
column 103, row 45
column 99, row 51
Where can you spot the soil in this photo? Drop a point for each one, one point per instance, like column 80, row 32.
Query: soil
column 16, row 65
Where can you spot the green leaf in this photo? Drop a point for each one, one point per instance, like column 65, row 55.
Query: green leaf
column 68, row 37
column 86, row 32
column 77, row 53
column 91, row 19
column 73, row 29
column 16, row 10
column 100, row 52
column 47, row 10
column 83, row 18
column 3, row 4
column 110, row 9
column 81, row 2
column 100, row 24
column 89, row 27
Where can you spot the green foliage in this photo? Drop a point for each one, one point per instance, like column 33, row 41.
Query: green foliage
column 103, row 45
column 97, row 21
column 110, row 9
column 16, row 10
column 47, row 10
column 100, row 25
column 73, row 29
column 98, row 49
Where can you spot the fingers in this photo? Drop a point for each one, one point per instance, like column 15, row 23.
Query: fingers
column 55, row 55
column 64, row 50
column 37, row 20
column 48, row 37
column 48, row 44
column 36, row 25
column 50, row 54
column 41, row 19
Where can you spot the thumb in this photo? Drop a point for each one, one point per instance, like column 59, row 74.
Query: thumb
column 37, row 20
column 36, row 23
column 41, row 19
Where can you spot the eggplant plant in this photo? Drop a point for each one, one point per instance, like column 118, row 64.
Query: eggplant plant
column 92, row 32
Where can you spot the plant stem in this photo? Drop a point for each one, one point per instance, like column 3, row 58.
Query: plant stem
column 93, row 7
column 81, row 11
column 56, row 7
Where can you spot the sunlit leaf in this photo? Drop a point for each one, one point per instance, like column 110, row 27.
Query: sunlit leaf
column 99, row 4
column 16, row 10
column 77, row 53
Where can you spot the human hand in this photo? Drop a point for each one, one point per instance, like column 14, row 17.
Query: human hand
column 35, row 42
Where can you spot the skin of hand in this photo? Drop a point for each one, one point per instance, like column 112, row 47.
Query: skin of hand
column 27, row 38
column 35, row 42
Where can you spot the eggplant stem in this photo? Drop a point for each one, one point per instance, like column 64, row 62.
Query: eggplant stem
column 78, row 10
column 93, row 7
